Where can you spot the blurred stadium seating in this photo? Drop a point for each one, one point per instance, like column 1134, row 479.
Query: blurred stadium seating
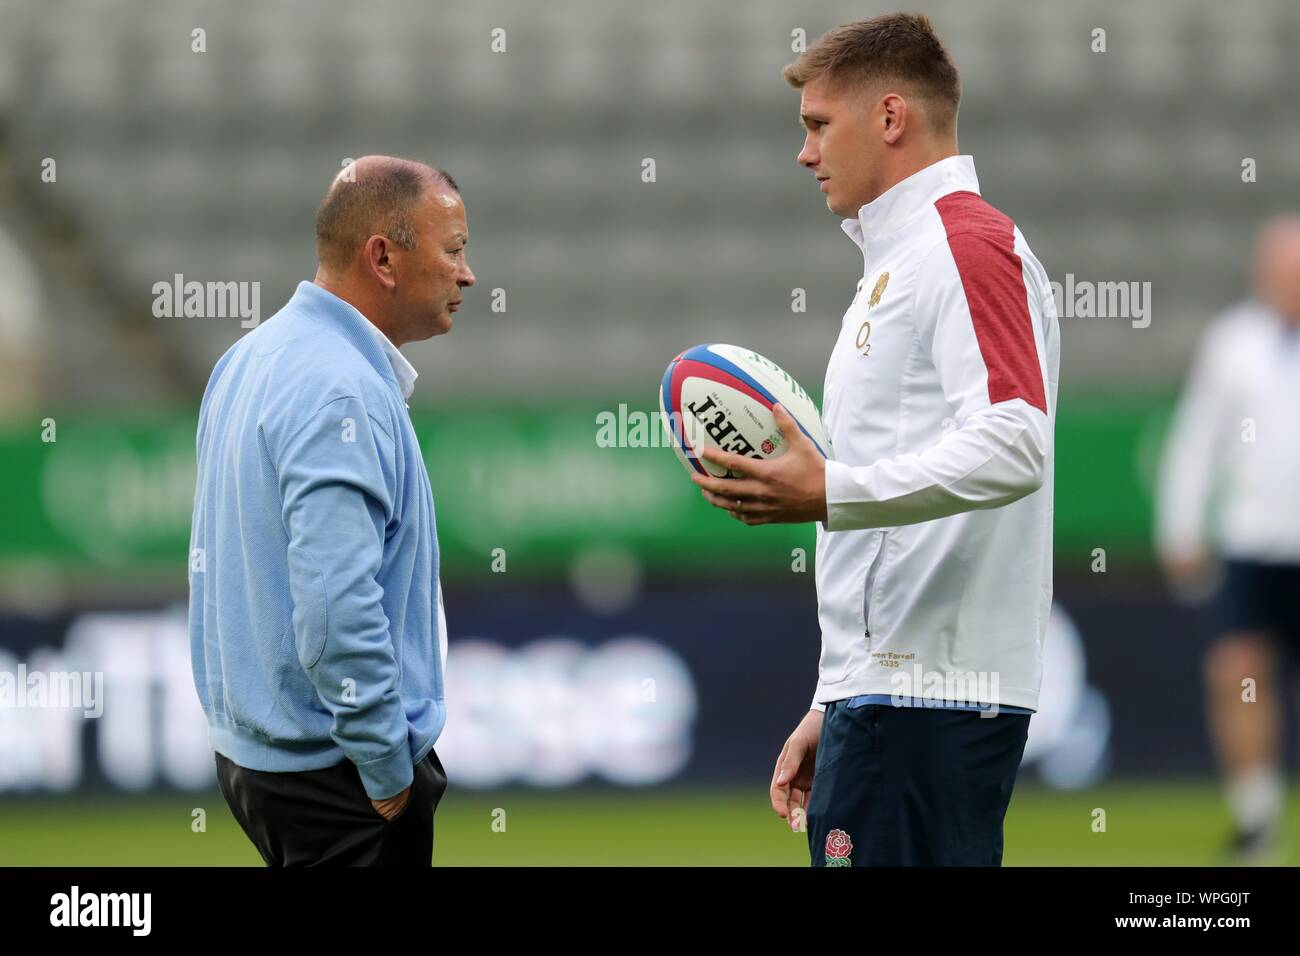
column 1117, row 165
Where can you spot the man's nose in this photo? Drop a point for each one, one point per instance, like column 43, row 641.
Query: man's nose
column 466, row 277
column 808, row 156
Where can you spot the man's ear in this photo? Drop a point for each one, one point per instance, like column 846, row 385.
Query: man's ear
column 378, row 262
column 894, row 113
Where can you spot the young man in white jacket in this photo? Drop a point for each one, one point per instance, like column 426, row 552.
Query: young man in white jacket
column 934, row 560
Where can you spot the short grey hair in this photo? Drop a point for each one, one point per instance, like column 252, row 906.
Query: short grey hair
column 376, row 201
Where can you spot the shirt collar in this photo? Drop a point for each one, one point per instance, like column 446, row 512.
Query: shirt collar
column 403, row 371
column 889, row 211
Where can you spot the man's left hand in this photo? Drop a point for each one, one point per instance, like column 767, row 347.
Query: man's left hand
column 784, row 490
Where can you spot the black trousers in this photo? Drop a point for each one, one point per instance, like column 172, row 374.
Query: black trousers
column 912, row 786
column 324, row 818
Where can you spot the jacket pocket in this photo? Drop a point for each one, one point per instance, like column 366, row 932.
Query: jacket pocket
column 310, row 606
column 869, row 585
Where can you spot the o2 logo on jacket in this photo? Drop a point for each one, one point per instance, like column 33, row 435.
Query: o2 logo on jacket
column 862, row 341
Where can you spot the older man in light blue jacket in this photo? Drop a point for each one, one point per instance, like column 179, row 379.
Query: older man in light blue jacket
column 315, row 614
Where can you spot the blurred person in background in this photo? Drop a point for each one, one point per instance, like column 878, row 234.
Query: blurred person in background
column 1229, row 488
column 316, row 622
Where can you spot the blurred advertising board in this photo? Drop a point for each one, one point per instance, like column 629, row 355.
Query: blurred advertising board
column 548, row 687
column 537, row 489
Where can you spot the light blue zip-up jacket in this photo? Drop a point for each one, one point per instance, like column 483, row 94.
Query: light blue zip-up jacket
column 315, row 613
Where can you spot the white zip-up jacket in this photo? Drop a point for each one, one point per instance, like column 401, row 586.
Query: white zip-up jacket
column 934, row 566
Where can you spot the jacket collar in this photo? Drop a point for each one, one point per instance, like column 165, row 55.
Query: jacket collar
column 893, row 208
column 363, row 334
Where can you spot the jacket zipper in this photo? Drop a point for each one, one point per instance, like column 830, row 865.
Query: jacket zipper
column 869, row 585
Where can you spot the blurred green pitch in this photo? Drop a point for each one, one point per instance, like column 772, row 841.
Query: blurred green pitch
column 1147, row 824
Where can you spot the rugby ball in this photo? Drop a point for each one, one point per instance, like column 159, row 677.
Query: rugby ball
column 721, row 396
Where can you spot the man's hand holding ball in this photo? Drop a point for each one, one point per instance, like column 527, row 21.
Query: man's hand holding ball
column 788, row 489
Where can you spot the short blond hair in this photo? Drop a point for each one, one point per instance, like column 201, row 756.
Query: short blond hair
column 897, row 47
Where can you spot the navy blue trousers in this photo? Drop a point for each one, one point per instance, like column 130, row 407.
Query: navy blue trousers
column 912, row 786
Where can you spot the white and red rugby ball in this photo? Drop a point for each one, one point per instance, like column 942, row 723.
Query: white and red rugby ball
column 721, row 396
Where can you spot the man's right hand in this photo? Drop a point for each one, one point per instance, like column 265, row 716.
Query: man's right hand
column 792, row 779
column 390, row 807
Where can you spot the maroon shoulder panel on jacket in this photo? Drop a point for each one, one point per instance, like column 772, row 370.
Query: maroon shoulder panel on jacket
column 982, row 242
